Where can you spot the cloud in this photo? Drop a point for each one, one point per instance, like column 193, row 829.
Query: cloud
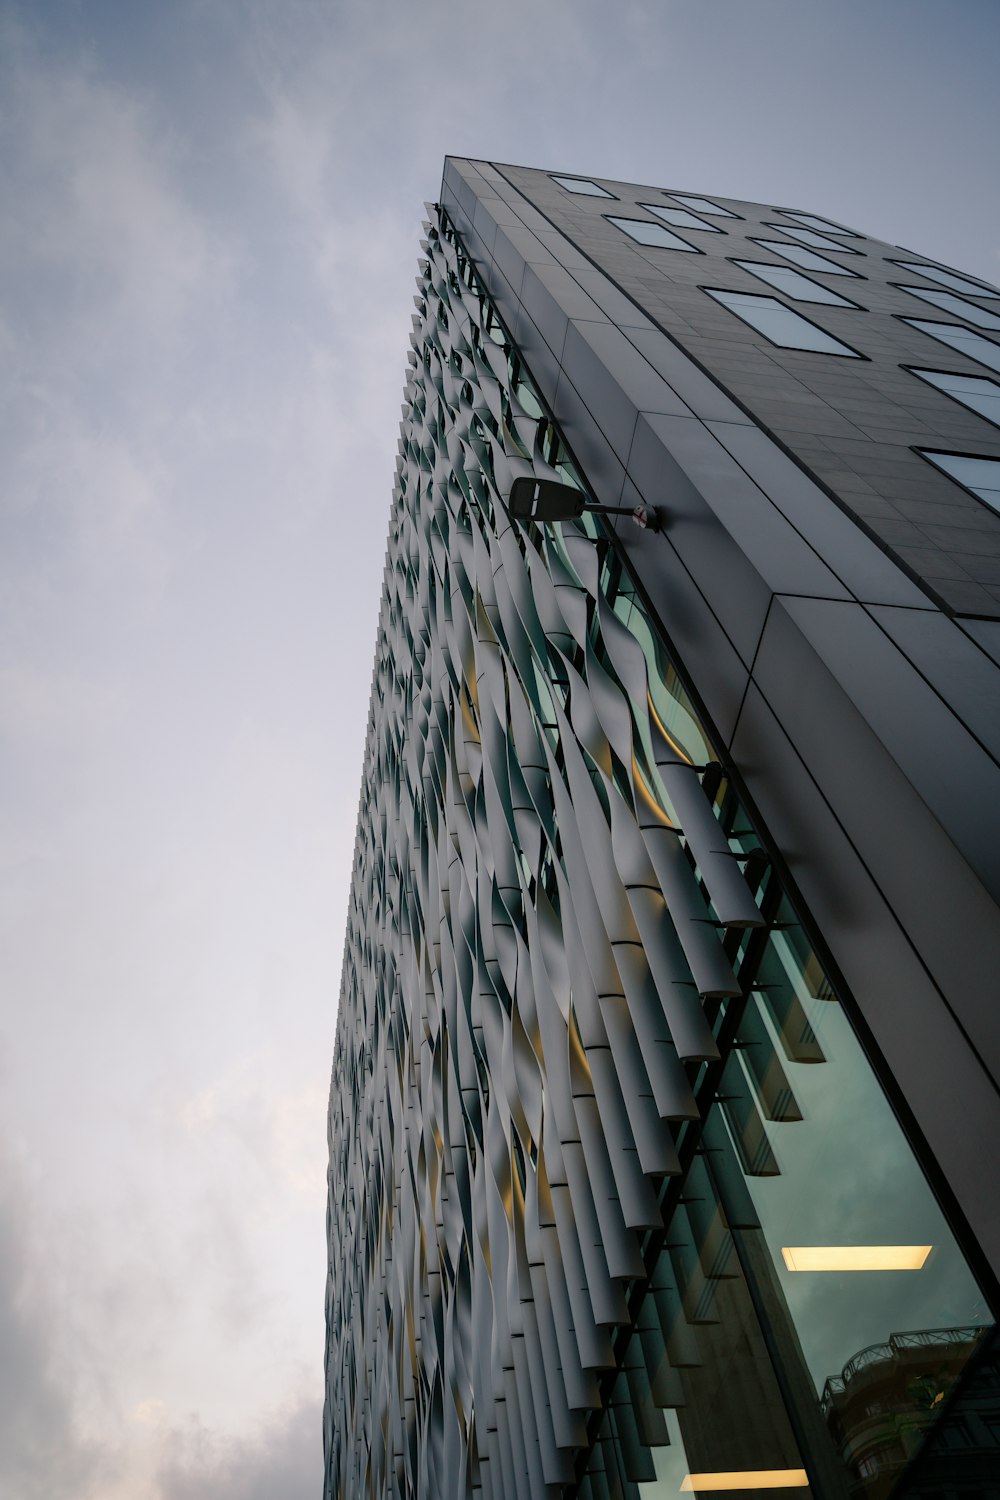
column 280, row 1130
column 281, row 1461
column 43, row 1453
column 102, row 214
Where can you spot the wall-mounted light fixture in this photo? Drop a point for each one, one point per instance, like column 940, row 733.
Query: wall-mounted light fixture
column 546, row 500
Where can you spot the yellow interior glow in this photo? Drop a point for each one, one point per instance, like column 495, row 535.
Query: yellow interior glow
column 748, row 1479
column 855, row 1257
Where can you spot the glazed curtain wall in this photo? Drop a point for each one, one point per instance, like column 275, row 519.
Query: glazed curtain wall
column 615, row 1198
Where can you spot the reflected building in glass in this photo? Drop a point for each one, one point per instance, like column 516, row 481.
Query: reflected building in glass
column 665, row 1112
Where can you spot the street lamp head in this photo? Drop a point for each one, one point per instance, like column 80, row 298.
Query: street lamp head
column 544, row 500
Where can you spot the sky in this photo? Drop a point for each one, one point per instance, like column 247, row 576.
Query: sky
column 207, row 249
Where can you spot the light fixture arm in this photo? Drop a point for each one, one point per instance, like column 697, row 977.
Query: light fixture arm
column 546, row 500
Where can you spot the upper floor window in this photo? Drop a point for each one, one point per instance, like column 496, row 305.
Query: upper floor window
column 808, row 237
column 974, row 391
column 645, row 233
column 807, row 259
column 946, row 278
column 957, row 306
column 582, row 185
column 678, row 216
column 811, row 221
column 962, row 339
column 980, row 475
column 793, row 283
column 782, row 325
column 703, row 205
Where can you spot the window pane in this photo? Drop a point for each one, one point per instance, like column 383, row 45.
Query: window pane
column 980, row 475
column 957, row 306
column 962, row 339
column 679, row 216
column 807, row 259
column 812, row 222
column 704, row 205
column 947, row 278
column 780, row 324
column 651, row 234
column 793, row 283
column 807, row 237
column 582, row 185
column 974, row 391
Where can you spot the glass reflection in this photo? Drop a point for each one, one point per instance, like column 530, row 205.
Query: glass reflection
column 811, row 1325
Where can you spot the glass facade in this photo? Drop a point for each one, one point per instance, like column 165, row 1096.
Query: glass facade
column 646, row 233
column 962, row 340
column 781, row 324
column 807, row 259
column 980, row 475
column 800, row 288
column 618, row 1206
column 974, row 391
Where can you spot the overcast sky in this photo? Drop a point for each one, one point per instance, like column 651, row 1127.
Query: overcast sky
column 210, row 214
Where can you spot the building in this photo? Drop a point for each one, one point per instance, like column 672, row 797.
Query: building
column 665, row 1098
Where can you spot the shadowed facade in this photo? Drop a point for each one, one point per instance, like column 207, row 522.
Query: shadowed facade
column 607, row 1092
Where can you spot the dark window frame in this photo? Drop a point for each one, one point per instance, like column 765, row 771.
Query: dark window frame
column 912, row 267
column 723, row 213
column 924, row 453
column 797, row 245
column 789, row 229
column 790, row 213
column 943, row 343
column 743, row 261
column 657, row 223
column 653, row 209
column 791, row 348
column 918, row 292
column 561, row 178
column 915, row 371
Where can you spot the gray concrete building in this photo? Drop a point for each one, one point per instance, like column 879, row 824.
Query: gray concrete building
column 665, row 1098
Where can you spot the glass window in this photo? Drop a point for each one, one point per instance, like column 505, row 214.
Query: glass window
column 980, row 475
column 793, row 283
column 679, row 216
column 651, row 234
column 946, row 278
column 582, row 185
column 781, row 324
column 807, row 259
column 962, row 339
column 812, row 222
column 957, row 306
column 820, row 241
column 703, row 205
column 974, row 391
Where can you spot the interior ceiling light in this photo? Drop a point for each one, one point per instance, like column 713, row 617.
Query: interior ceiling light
column 747, row 1479
column 855, row 1257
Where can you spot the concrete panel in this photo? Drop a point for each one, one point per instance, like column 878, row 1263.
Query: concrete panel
column 858, row 562
column 959, row 671
column 695, row 388
column 952, row 773
column 935, row 895
column 770, row 545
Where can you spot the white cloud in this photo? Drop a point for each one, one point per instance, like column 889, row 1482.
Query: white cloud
column 280, row 1130
column 98, row 183
column 280, row 1460
column 44, row 1453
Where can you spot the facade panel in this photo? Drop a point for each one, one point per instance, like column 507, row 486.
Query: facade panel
column 666, row 1018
